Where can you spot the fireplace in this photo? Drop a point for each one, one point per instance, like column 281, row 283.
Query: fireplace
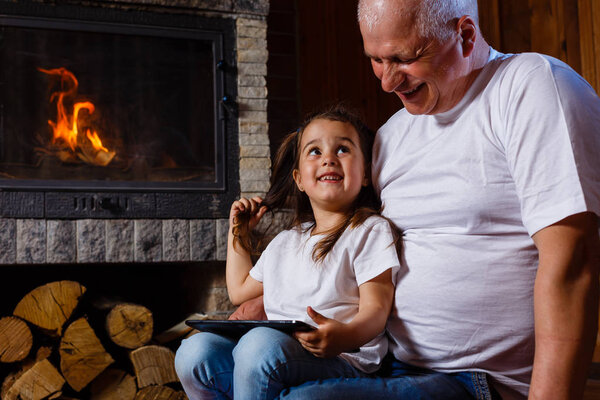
column 113, row 106
column 162, row 109
column 108, row 113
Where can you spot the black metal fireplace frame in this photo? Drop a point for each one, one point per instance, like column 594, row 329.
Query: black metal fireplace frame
column 93, row 199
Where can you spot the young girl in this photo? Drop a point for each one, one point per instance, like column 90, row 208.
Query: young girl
column 334, row 269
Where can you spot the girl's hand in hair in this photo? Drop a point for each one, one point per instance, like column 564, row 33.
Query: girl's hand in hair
column 246, row 211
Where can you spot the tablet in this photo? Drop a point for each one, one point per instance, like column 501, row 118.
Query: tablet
column 239, row 327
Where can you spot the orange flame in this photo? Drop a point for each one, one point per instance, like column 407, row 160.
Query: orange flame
column 66, row 128
column 95, row 140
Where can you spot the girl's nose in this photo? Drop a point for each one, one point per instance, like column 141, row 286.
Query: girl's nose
column 329, row 160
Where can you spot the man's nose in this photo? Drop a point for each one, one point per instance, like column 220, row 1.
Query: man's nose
column 392, row 77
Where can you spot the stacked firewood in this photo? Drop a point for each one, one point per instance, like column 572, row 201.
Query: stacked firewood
column 54, row 352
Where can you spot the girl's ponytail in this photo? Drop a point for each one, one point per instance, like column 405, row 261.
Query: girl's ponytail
column 283, row 194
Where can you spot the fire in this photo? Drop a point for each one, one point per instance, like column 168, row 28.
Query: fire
column 66, row 132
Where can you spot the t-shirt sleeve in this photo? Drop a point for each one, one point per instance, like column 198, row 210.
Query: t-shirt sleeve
column 270, row 253
column 552, row 142
column 375, row 251
column 257, row 270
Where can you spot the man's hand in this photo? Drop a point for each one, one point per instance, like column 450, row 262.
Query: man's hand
column 252, row 309
column 328, row 340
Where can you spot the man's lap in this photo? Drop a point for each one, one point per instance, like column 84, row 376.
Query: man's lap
column 400, row 381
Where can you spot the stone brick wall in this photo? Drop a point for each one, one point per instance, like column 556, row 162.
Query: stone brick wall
column 252, row 55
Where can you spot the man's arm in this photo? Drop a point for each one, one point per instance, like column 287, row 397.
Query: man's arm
column 565, row 306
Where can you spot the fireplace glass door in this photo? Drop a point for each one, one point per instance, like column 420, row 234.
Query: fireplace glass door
column 108, row 106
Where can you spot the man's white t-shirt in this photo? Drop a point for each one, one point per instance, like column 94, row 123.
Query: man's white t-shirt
column 469, row 188
column 292, row 280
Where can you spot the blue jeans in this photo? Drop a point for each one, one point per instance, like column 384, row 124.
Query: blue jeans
column 398, row 380
column 259, row 366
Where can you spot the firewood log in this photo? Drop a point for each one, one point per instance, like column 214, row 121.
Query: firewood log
column 42, row 353
column 153, row 365
column 130, row 325
column 15, row 339
column 50, row 306
column 39, row 382
column 82, row 356
column 159, row 393
column 113, row 384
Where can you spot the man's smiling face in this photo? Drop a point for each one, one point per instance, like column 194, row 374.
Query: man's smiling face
column 425, row 74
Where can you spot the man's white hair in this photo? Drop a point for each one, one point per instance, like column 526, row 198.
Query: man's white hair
column 434, row 19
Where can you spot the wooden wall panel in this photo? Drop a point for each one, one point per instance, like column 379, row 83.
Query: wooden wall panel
column 489, row 21
column 282, row 71
column 589, row 27
column 566, row 29
column 547, row 34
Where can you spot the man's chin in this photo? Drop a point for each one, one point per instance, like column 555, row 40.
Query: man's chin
column 416, row 109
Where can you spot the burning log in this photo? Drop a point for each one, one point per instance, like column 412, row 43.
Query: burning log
column 130, row 325
column 82, row 357
column 113, row 384
column 15, row 339
column 160, row 393
column 39, row 382
column 153, row 365
column 68, row 142
column 50, row 306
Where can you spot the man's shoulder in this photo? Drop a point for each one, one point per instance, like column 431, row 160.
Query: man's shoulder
column 399, row 121
column 522, row 64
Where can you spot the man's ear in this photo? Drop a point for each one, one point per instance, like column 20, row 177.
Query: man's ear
column 297, row 179
column 467, row 31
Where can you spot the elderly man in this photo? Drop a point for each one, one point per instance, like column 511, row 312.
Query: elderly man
column 492, row 172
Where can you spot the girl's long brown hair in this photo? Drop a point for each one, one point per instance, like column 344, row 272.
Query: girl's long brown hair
column 284, row 194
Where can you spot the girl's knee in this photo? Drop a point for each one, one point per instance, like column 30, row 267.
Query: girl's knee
column 188, row 355
column 264, row 348
column 199, row 350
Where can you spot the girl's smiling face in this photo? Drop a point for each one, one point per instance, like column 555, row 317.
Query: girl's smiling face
column 331, row 167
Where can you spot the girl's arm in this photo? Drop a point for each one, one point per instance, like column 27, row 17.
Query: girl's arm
column 240, row 285
column 333, row 337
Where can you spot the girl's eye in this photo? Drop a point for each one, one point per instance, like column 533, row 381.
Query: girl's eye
column 314, row 152
column 343, row 149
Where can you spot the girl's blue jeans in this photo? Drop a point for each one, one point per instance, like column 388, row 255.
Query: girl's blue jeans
column 268, row 364
column 259, row 366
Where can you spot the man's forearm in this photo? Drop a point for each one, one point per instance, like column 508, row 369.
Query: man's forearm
column 566, row 325
column 566, row 308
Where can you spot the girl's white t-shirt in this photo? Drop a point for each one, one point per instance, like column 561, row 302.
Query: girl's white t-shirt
column 292, row 281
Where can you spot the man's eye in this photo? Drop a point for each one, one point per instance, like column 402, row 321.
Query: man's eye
column 314, row 152
column 404, row 60
column 343, row 149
